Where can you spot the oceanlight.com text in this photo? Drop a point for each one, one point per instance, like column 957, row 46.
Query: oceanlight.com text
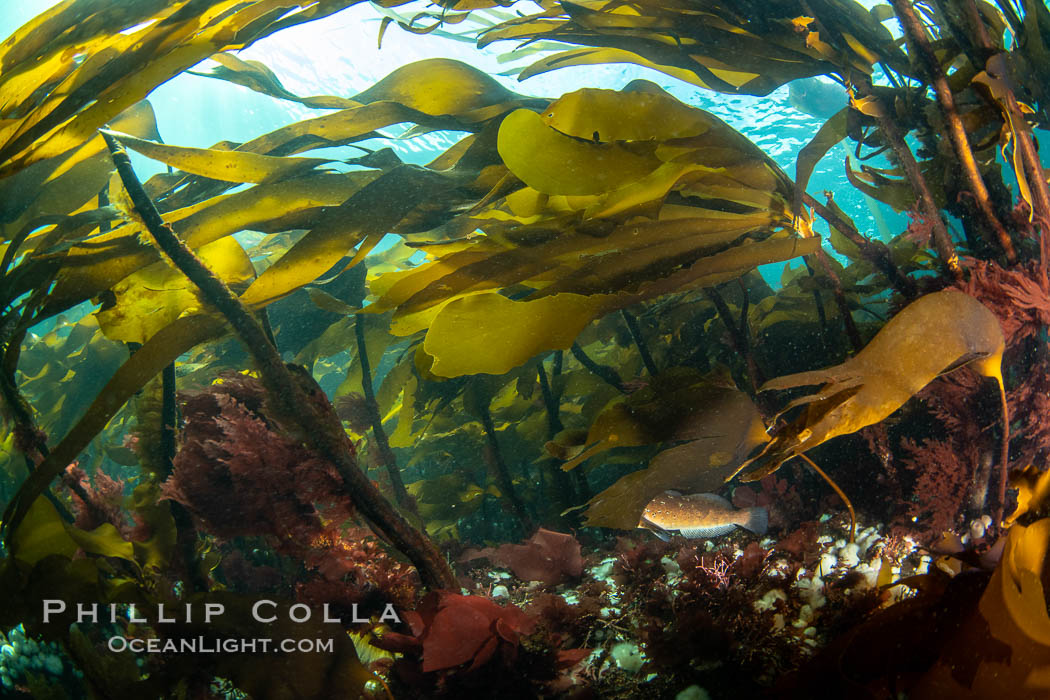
column 204, row 645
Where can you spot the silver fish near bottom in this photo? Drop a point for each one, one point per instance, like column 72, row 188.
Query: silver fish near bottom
column 699, row 515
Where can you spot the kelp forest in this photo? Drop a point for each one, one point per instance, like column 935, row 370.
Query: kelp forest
column 600, row 401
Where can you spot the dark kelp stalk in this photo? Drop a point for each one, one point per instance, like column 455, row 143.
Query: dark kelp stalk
column 312, row 387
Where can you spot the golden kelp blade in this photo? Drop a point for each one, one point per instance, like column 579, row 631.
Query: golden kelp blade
column 607, row 115
column 568, row 311
column 932, row 335
column 155, row 296
column 471, row 96
column 229, row 166
column 111, row 256
column 526, row 329
column 468, row 99
column 615, row 426
column 600, row 56
column 442, row 86
column 675, row 406
column 364, row 218
column 1033, row 491
column 592, row 223
column 601, row 140
column 64, row 184
column 118, row 67
column 553, row 163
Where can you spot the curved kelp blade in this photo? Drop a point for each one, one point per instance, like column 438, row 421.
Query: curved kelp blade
column 366, row 216
column 256, row 76
column 669, row 410
column 932, row 335
column 826, row 138
column 1003, row 642
column 615, row 426
column 554, row 323
column 442, row 86
column 692, row 73
column 466, row 100
column 553, row 163
column 228, row 166
column 44, row 533
column 460, row 345
column 297, row 200
column 110, row 257
column 890, row 188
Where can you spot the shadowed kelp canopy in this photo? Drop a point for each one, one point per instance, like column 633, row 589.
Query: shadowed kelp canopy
column 748, row 48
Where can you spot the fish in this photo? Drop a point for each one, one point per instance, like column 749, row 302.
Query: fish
column 699, row 515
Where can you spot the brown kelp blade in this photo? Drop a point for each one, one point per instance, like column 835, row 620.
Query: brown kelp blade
column 725, row 426
column 934, row 334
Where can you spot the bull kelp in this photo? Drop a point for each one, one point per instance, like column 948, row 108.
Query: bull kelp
column 372, row 399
